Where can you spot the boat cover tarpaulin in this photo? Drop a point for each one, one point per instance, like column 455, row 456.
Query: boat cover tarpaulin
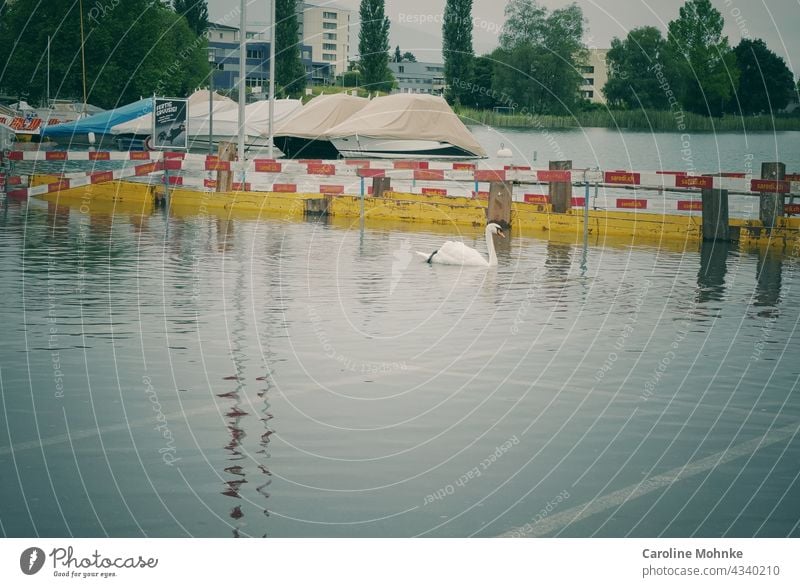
column 409, row 117
column 320, row 115
column 101, row 123
column 256, row 118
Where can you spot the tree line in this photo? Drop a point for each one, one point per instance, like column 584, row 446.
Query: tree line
column 538, row 67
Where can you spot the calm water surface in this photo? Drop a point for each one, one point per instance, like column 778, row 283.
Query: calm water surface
column 207, row 376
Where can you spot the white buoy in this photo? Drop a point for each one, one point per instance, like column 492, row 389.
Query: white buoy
column 92, row 138
column 504, row 152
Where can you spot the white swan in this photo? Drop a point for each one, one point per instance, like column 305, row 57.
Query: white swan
column 457, row 253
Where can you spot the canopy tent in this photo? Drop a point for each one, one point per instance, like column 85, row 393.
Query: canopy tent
column 320, row 115
column 409, row 117
column 101, row 123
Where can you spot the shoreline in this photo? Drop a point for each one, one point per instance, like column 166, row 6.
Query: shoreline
column 652, row 121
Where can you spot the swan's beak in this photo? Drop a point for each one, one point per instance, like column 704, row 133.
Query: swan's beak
column 501, row 234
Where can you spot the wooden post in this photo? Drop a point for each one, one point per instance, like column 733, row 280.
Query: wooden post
column 226, row 152
column 771, row 205
column 499, row 209
column 380, row 185
column 715, row 215
column 561, row 192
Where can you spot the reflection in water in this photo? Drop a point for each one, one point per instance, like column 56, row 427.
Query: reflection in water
column 713, row 269
column 559, row 259
column 769, row 269
column 57, row 217
column 224, row 235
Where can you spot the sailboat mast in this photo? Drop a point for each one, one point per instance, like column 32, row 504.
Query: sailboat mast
column 83, row 57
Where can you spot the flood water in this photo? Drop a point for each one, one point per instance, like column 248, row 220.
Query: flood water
column 213, row 376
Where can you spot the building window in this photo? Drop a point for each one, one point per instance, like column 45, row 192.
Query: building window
column 329, row 47
column 329, row 36
column 250, row 36
column 401, row 68
column 588, row 81
column 329, row 25
column 586, row 69
column 306, row 54
column 255, row 82
column 588, row 94
column 331, row 15
column 255, row 54
column 220, row 35
column 329, row 56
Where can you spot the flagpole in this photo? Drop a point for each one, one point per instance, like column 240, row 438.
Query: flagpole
column 242, row 75
column 272, row 80
column 83, row 58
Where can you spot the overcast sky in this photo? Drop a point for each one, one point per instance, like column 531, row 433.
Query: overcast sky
column 416, row 24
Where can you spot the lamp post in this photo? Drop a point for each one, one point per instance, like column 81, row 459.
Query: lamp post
column 212, row 60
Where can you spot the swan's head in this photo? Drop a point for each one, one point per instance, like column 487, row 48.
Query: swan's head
column 493, row 228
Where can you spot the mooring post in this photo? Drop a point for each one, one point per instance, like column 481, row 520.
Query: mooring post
column 715, row 215
column 380, row 185
column 225, row 152
column 499, row 208
column 561, row 191
column 771, row 204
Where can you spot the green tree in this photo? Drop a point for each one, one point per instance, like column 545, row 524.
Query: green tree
column 765, row 84
column 410, row 57
column 637, row 71
column 398, row 55
column 373, row 46
column 290, row 73
column 480, row 95
column 195, row 12
column 540, row 54
column 705, row 66
column 457, row 49
column 134, row 48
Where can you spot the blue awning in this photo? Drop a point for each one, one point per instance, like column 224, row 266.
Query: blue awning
column 101, row 123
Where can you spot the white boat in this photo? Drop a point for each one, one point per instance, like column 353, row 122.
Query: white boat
column 405, row 126
column 302, row 135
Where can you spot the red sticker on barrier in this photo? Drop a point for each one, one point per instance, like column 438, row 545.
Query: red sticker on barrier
column 331, row 189
column 429, row 174
column 99, row 156
column 463, row 166
column 16, row 156
column 268, row 166
column 55, row 156
column 695, row 182
column 480, row 195
column 211, row 165
column 175, row 180
column 210, row 183
column 174, row 164
column 733, row 175
column 792, row 177
column 147, row 168
column 140, row 155
column 622, row 177
column 238, row 187
column 102, row 177
column 489, row 175
column 687, row 205
column 321, row 169
column 675, row 173
column 578, row 202
column 411, row 165
column 434, row 192
column 284, row 187
column 537, row 198
column 791, row 209
column 631, row 203
column 554, row 175
column 771, row 186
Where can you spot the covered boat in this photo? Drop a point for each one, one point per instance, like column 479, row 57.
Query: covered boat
column 303, row 134
column 225, row 121
column 406, row 126
column 93, row 129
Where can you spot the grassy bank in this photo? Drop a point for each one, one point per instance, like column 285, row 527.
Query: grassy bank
column 633, row 120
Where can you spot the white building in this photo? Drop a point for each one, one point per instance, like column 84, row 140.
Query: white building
column 595, row 76
column 326, row 29
column 418, row 77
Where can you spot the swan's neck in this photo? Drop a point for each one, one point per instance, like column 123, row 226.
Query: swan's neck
column 490, row 247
